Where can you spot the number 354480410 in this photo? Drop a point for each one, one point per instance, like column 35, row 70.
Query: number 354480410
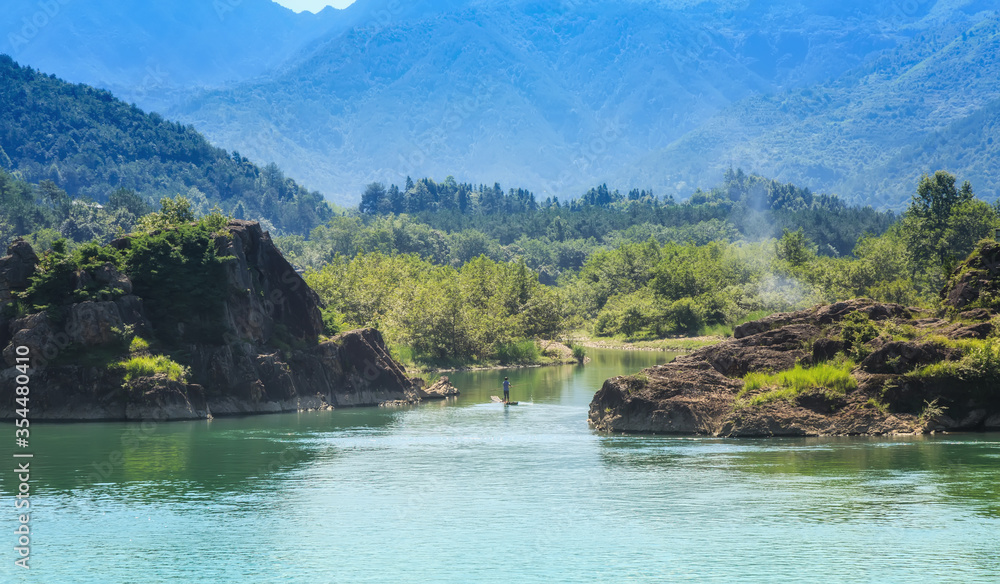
column 21, row 390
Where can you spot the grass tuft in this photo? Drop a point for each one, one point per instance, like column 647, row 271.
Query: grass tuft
column 834, row 378
column 876, row 405
column 980, row 361
column 138, row 345
column 149, row 365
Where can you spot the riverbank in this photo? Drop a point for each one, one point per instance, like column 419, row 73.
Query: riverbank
column 672, row 345
column 549, row 353
column 848, row 368
column 562, row 353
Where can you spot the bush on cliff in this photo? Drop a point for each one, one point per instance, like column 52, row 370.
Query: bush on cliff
column 857, row 330
column 66, row 277
column 181, row 277
column 980, row 362
column 175, row 268
column 150, row 365
column 138, row 345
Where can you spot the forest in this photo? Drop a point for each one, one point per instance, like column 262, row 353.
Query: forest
column 660, row 268
column 457, row 274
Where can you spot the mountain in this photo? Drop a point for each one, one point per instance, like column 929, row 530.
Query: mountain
column 555, row 96
column 151, row 53
column 851, row 96
column 931, row 103
column 90, row 144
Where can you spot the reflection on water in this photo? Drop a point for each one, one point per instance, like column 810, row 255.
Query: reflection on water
column 858, row 471
column 455, row 491
column 176, row 458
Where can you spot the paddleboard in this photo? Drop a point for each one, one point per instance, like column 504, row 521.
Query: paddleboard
column 496, row 399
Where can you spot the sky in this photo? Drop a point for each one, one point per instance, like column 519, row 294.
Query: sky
column 314, row 5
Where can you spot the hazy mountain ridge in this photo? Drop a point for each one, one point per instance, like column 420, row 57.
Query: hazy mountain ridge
column 857, row 135
column 154, row 53
column 558, row 97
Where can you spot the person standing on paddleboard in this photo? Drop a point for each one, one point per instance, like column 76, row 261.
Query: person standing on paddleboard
column 506, row 390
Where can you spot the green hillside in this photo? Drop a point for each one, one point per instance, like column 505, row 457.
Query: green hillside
column 90, row 144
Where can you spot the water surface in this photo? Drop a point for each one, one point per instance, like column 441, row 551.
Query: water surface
column 471, row 491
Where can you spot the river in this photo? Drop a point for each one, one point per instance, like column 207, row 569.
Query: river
column 472, row 491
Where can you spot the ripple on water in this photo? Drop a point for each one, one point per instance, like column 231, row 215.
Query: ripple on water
column 470, row 491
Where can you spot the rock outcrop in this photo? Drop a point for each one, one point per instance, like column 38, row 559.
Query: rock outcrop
column 267, row 358
column 703, row 392
column 440, row 389
column 975, row 276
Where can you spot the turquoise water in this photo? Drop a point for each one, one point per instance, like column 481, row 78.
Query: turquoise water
column 470, row 491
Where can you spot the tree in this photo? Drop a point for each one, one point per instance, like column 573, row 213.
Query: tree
column 942, row 223
column 396, row 199
column 935, row 198
column 373, row 198
column 795, row 248
column 128, row 200
column 173, row 212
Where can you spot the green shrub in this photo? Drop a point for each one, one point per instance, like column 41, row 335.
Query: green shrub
column 686, row 315
column 898, row 291
column 579, row 352
column 525, row 351
column 876, row 405
column 55, row 281
column 402, row 353
column 181, row 278
column 626, row 314
column 897, row 332
column 173, row 212
column 931, row 411
column 138, row 345
column 149, row 365
column 980, row 362
column 333, row 321
column 856, row 330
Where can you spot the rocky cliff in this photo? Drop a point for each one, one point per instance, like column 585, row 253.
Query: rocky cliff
column 857, row 367
column 248, row 341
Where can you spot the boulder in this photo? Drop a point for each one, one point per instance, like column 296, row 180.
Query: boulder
column 825, row 348
column 92, row 324
column 109, row 277
column 902, row 357
column 16, row 268
column 158, row 398
column 979, row 273
column 440, row 389
column 37, row 334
